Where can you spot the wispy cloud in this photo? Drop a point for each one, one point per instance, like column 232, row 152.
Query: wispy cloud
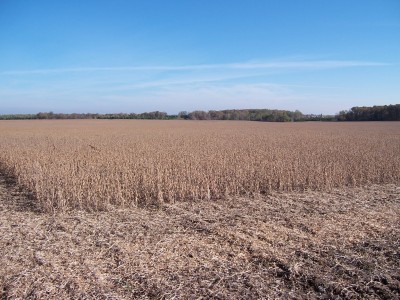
column 307, row 64
column 173, row 88
column 209, row 96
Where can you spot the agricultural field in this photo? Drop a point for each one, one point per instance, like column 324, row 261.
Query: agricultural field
column 139, row 209
column 93, row 165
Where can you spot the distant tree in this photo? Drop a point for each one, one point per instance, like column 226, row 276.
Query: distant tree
column 42, row 115
column 199, row 115
column 183, row 115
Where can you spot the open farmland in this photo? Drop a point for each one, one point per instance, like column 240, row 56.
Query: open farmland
column 97, row 164
column 189, row 209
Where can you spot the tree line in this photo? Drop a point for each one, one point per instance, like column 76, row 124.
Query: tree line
column 267, row 115
column 155, row 115
column 235, row 114
column 374, row 113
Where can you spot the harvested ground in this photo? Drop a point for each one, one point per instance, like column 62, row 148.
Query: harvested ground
column 341, row 244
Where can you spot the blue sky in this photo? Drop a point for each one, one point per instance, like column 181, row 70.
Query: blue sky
column 133, row 56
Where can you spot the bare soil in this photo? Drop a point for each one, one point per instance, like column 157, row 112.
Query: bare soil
column 342, row 244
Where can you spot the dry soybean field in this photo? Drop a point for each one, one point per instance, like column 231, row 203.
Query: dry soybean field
column 97, row 164
column 140, row 209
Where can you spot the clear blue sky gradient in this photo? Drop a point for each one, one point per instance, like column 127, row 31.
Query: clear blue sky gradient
column 134, row 56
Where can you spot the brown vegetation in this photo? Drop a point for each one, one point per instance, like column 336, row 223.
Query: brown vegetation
column 97, row 164
column 199, row 210
column 313, row 245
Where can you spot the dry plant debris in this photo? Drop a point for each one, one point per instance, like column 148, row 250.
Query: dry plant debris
column 199, row 210
column 313, row 245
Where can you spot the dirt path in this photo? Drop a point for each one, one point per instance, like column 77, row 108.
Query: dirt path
column 343, row 244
